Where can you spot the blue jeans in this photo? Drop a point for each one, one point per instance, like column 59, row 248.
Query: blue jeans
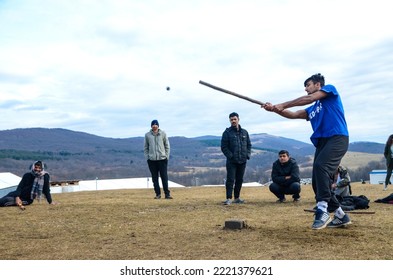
column 235, row 173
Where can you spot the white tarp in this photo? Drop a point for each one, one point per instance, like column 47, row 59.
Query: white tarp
column 112, row 184
column 8, row 182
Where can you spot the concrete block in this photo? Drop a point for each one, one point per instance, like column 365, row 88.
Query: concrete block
column 235, row 224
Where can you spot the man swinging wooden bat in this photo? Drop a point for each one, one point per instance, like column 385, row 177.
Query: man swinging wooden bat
column 330, row 138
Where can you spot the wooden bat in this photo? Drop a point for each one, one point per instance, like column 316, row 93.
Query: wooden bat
column 232, row 93
column 351, row 212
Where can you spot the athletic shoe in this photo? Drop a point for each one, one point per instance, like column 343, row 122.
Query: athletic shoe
column 385, row 187
column 238, row 201
column 168, row 197
column 157, row 197
column 227, row 202
column 337, row 222
column 281, row 200
column 296, row 199
column 321, row 220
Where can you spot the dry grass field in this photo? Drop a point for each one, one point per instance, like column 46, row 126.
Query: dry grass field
column 131, row 225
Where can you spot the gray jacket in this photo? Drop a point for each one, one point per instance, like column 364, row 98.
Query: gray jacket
column 156, row 146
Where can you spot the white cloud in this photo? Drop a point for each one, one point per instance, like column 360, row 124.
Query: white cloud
column 102, row 66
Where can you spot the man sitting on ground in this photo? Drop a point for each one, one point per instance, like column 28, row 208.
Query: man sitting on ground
column 33, row 185
column 342, row 182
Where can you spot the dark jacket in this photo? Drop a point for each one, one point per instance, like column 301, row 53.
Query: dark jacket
column 26, row 184
column 290, row 168
column 387, row 154
column 236, row 145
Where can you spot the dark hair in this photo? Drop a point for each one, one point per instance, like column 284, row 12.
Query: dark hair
column 316, row 78
column 231, row 115
column 283, row 152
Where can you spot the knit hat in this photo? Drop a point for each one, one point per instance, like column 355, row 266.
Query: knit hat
column 154, row 122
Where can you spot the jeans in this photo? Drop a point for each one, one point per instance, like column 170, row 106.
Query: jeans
column 235, row 173
column 159, row 167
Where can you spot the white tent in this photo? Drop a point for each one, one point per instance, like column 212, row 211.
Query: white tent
column 8, row 182
column 111, row 184
column 249, row 184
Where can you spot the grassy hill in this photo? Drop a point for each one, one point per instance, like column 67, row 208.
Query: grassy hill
column 72, row 155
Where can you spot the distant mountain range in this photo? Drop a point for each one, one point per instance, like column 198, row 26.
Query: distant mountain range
column 72, row 155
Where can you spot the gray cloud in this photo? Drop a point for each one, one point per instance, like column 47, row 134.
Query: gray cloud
column 103, row 69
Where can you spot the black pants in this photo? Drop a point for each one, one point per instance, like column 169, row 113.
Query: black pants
column 389, row 172
column 159, row 167
column 235, row 173
column 327, row 158
column 280, row 191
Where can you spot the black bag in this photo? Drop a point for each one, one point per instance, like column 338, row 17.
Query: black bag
column 349, row 203
column 388, row 199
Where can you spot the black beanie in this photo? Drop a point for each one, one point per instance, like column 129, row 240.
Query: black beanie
column 154, row 122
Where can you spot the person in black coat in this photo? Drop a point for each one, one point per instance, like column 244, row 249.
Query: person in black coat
column 236, row 146
column 285, row 177
column 388, row 154
column 33, row 185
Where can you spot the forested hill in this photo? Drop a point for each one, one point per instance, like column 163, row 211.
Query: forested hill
column 73, row 155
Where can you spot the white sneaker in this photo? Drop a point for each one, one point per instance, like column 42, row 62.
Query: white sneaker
column 238, row 201
column 385, row 187
column 227, row 202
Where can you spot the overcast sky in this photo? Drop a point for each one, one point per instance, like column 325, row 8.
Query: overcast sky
column 102, row 67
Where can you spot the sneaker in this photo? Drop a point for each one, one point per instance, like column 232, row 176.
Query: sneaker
column 337, row 222
column 238, row 201
column 281, row 200
column 227, row 202
column 296, row 199
column 168, row 197
column 321, row 219
column 385, row 187
column 157, row 197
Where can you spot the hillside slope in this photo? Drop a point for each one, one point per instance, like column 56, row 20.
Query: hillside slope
column 73, row 155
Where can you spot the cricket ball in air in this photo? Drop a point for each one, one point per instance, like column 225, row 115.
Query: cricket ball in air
column 168, row 88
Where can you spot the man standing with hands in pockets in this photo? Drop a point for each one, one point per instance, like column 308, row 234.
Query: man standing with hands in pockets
column 236, row 146
column 156, row 150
